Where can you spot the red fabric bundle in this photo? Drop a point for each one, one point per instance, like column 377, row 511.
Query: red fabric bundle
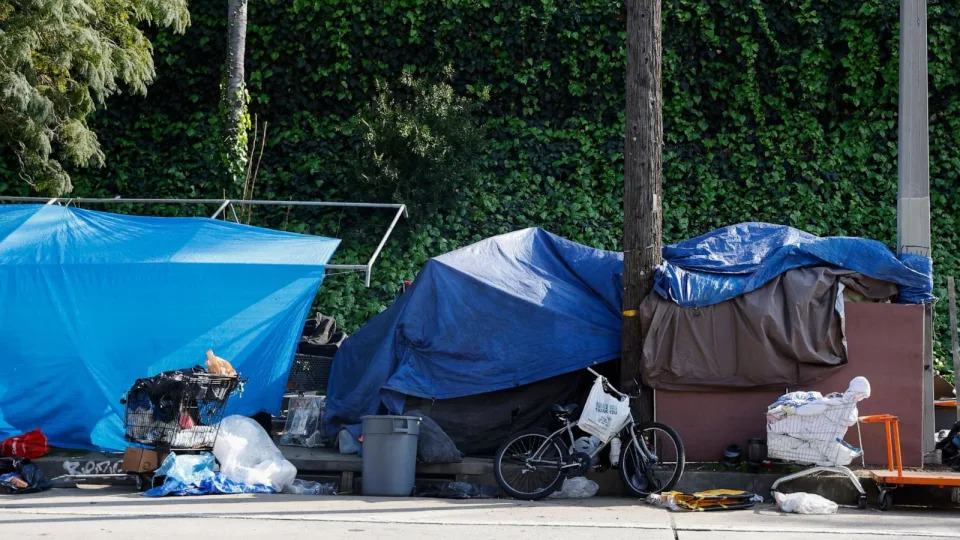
column 29, row 445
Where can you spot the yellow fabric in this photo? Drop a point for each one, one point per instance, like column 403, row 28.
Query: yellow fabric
column 712, row 492
column 714, row 498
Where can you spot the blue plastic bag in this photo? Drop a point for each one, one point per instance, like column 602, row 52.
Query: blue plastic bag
column 194, row 475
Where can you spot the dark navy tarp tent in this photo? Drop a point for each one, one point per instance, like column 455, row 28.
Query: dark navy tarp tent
column 507, row 311
column 91, row 301
column 526, row 306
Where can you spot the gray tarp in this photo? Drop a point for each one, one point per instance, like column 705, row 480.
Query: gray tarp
column 787, row 333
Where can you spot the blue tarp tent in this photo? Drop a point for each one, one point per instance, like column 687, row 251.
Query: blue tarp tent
column 510, row 310
column 91, row 301
column 734, row 260
column 526, row 306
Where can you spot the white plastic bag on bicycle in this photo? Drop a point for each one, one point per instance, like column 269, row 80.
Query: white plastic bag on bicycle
column 603, row 415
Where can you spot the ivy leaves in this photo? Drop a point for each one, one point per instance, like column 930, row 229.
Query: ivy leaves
column 781, row 111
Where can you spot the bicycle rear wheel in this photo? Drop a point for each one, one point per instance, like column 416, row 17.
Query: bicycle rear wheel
column 659, row 470
column 523, row 472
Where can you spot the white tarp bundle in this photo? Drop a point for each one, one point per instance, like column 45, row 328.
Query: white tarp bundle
column 808, row 428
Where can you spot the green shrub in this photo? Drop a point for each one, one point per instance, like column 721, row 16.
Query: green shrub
column 419, row 145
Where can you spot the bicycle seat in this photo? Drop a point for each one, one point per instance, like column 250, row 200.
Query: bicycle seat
column 564, row 409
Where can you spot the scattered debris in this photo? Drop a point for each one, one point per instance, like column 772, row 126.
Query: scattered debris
column 18, row 477
column 578, row 487
column 457, row 490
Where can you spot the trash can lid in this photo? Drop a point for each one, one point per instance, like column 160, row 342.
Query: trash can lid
column 391, row 424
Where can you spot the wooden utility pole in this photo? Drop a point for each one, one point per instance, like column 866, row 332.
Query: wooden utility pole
column 643, row 152
column 913, row 175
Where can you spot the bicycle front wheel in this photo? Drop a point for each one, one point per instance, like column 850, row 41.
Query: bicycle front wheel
column 655, row 468
column 529, row 465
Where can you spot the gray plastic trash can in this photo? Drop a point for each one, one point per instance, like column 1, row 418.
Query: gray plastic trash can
column 389, row 455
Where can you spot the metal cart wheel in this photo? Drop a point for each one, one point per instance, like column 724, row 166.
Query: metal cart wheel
column 885, row 500
column 142, row 482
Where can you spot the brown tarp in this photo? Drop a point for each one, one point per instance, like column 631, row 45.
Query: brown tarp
column 787, row 333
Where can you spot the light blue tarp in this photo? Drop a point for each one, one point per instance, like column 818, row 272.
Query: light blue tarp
column 193, row 475
column 728, row 262
column 91, row 301
column 526, row 306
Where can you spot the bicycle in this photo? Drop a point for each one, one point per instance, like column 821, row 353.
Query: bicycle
column 532, row 464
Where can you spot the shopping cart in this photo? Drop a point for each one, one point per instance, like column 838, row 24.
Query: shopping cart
column 176, row 411
column 809, row 430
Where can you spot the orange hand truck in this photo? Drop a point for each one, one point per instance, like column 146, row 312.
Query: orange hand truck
column 894, row 476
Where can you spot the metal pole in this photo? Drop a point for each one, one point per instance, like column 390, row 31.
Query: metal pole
column 401, row 211
column 220, row 209
column 913, row 161
column 913, row 172
column 233, row 210
column 88, row 200
column 346, row 266
column 373, row 258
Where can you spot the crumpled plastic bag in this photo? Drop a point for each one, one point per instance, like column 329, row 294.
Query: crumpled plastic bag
column 186, row 468
column 247, row 455
column 193, row 475
column 306, row 487
column 578, row 487
column 858, row 390
column 804, row 503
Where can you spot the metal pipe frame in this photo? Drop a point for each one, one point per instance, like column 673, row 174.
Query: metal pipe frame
column 367, row 269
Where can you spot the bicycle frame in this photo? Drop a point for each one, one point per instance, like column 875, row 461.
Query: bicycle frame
column 568, row 427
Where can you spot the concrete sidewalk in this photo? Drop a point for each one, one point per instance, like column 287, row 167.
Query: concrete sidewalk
column 103, row 512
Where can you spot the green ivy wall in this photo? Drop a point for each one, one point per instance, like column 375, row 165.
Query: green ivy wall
column 776, row 110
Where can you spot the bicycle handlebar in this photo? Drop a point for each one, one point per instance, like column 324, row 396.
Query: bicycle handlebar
column 608, row 386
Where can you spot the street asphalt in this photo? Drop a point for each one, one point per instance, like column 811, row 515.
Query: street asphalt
column 115, row 512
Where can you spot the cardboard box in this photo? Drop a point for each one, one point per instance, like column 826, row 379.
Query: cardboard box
column 140, row 460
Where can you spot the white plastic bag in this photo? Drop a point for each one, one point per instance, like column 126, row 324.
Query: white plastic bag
column 663, row 499
column 603, row 415
column 804, row 503
column 577, row 487
column 247, row 455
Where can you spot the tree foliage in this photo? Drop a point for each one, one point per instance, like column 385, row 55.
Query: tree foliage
column 418, row 144
column 775, row 110
column 59, row 59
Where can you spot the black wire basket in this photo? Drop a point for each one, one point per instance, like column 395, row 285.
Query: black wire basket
column 177, row 410
column 309, row 373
